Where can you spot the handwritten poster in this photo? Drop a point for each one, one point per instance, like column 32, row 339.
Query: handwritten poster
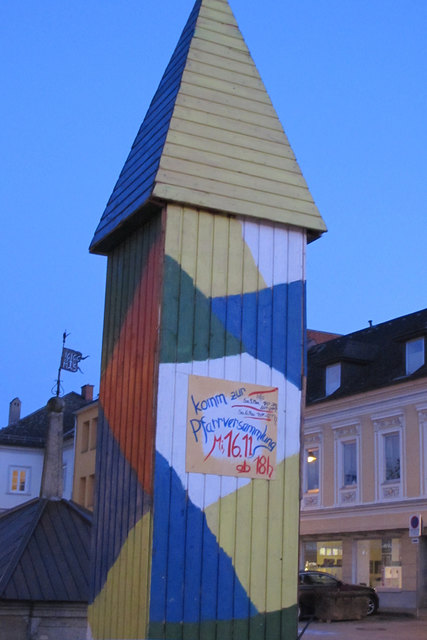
column 231, row 428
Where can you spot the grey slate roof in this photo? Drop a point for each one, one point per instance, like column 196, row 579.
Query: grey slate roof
column 136, row 180
column 30, row 431
column 44, row 552
column 370, row 359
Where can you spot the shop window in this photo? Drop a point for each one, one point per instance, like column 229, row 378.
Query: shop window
column 323, row 556
column 415, row 355
column 379, row 563
column 332, row 378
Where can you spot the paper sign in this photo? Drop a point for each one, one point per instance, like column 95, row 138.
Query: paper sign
column 231, row 428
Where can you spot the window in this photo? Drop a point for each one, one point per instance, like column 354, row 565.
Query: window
column 332, row 378
column 379, row 563
column 391, row 457
column 389, row 467
column 325, row 555
column 85, row 436
column 312, row 469
column 92, row 435
column 19, row 480
column 349, row 457
column 415, row 355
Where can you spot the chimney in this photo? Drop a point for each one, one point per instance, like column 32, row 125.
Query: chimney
column 14, row 411
column 51, row 486
column 87, row 392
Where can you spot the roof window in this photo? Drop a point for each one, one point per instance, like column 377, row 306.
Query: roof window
column 332, row 378
column 415, row 355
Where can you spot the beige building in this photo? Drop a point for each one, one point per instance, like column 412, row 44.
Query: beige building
column 84, row 455
column 364, row 485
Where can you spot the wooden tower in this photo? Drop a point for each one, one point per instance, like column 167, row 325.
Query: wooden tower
column 197, row 505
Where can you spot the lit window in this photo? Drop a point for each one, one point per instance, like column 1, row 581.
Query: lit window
column 349, row 457
column 391, row 457
column 312, row 469
column 415, row 355
column 19, row 479
column 333, row 378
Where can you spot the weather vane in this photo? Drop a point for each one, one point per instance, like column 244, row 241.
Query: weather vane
column 70, row 361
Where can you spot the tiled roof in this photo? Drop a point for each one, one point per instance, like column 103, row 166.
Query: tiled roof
column 211, row 139
column 31, row 430
column 371, row 358
column 44, row 552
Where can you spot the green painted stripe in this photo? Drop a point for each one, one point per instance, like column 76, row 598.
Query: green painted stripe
column 190, row 331
column 278, row 625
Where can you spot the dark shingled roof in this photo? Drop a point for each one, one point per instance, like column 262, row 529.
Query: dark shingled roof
column 44, row 552
column 136, row 181
column 370, row 359
column 31, row 430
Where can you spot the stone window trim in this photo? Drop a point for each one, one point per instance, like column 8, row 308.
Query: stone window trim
column 388, row 425
column 346, row 433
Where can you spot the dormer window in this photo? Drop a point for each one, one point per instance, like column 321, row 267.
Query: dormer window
column 332, row 378
column 415, row 355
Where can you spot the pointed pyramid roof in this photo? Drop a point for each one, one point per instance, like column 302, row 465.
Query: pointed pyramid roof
column 211, row 138
column 44, row 552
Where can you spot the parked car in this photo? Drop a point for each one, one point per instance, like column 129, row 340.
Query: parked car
column 313, row 584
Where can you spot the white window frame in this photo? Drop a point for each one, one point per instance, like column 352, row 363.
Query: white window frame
column 27, row 488
column 383, row 426
column 332, row 378
column 413, row 361
column 347, row 433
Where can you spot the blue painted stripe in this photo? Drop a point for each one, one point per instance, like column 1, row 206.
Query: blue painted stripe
column 270, row 325
column 120, row 504
column 198, row 562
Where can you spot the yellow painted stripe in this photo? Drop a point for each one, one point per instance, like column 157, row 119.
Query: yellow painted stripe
column 263, row 563
column 121, row 610
column 219, row 243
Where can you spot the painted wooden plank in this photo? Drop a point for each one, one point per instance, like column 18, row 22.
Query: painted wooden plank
column 237, row 179
column 218, row 14
column 235, row 192
column 228, row 150
column 228, row 99
column 236, row 139
column 217, row 161
column 214, row 70
column 203, row 283
column 225, row 40
column 200, row 56
column 216, row 48
column 202, row 81
column 234, row 126
column 217, row 108
column 217, row 202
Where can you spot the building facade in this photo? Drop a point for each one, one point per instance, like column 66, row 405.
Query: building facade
column 22, row 449
column 85, row 455
column 364, row 487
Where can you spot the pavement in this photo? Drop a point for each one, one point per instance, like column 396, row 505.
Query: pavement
column 382, row 626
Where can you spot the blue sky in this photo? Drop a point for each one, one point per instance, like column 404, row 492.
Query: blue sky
column 348, row 79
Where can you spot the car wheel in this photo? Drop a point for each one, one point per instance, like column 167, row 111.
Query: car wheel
column 372, row 607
